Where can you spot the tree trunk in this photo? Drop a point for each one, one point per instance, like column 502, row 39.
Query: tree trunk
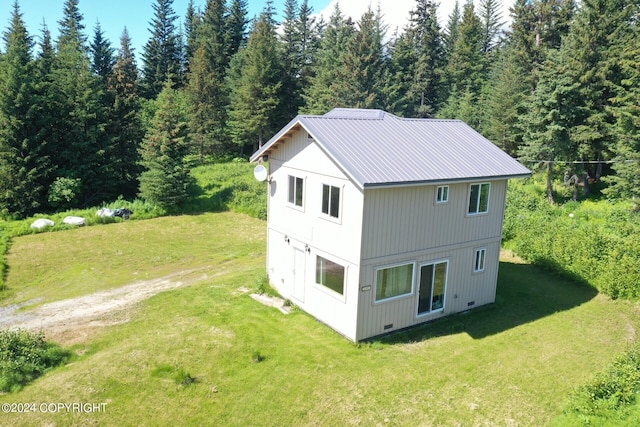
column 550, row 183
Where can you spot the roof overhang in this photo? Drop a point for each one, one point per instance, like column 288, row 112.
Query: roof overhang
column 374, row 186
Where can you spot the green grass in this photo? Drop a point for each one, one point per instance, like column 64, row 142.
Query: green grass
column 208, row 354
column 61, row 265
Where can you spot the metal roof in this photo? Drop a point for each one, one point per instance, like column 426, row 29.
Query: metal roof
column 375, row 148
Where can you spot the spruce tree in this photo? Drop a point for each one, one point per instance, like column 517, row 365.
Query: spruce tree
column 166, row 179
column 320, row 95
column 466, row 71
column 161, row 58
column 625, row 55
column 101, row 54
column 418, row 57
column 360, row 81
column 78, row 149
column 255, row 85
column 206, row 86
column 125, row 127
column 24, row 165
column 236, row 26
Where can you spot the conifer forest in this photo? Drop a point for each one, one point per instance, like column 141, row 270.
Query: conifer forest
column 84, row 119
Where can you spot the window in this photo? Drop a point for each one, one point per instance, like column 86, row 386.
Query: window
column 442, row 194
column 331, row 200
column 433, row 282
column 478, row 259
column 479, row 198
column 296, row 186
column 394, row 281
column 330, row 274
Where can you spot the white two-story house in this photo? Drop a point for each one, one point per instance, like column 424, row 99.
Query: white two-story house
column 378, row 223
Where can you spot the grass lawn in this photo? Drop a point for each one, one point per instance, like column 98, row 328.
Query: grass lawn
column 512, row 364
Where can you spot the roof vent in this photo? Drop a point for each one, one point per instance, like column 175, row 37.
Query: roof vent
column 355, row 113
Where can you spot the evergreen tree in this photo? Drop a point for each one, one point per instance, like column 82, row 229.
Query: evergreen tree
column 452, row 30
column 536, row 27
column 418, row 57
column 320, row 95
column 24, row 166
column 125, row 127
column 79, row 138
column 360, row 79
column 507, row 95
column 549, row 118
column 491, row 16
column 102, row 54
column 236, row 27
column 161, row 58
column 291, row 60
column 466, row 70
column 255, row 85
column 625, row 54
column 206, row 87
column 166, row 179
column 192, row 20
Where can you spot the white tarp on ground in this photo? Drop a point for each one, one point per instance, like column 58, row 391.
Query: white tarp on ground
column 42, row 223
column 104, row 212
column 74, row 220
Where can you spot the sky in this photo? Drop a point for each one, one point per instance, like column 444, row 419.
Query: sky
column 135, row 15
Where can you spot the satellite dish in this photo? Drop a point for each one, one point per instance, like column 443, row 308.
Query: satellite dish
column 260, row 173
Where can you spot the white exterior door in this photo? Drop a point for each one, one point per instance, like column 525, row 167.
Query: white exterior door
column 298, row 274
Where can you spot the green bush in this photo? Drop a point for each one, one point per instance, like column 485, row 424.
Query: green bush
column 25, row 356
column 610, row 393
column 592, row 241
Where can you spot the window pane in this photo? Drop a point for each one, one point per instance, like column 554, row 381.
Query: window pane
column 330, row 274
column 299, row 187
column 424, row 294
column 335, row 202
column 443, row 194
column 325, row 199
column 484, row 198
column 394, row 281
column 479, row 262
column 473, row 198
column 439, row 281
column 292, row 188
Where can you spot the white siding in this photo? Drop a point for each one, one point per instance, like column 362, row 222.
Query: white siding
column 313, row 233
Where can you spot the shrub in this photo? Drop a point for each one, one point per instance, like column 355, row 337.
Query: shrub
column 610, row 391
column 592, row 241
column 64, row 192
column 25, row 356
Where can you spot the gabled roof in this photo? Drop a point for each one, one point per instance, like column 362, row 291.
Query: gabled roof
column 375, row 148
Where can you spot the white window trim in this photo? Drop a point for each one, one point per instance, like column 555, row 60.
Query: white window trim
column 397, row 297
column 446, row 283
column 338, row 219
column 329, row 291
column 292, row 205
column 448, row 189
column 480, row 184
column 475, row 259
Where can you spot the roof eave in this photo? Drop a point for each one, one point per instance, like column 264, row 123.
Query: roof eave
column 443, row 181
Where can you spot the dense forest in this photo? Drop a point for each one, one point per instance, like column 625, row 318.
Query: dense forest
column 82, row 122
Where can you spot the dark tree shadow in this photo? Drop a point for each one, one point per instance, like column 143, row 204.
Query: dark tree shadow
column 525, row 293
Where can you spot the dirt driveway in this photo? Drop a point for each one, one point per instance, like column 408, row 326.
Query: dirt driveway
column 71, row 321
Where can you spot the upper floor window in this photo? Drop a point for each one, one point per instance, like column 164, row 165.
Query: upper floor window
column 479, row 198
column 442, row 194
column 296, row 188
column 331, row 200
